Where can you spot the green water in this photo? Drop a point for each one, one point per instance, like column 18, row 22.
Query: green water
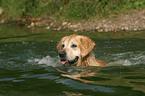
column 29, row 64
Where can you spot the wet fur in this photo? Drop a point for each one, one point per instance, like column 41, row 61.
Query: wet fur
column 85, row 46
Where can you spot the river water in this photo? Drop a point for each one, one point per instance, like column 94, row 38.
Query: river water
column 29, row 64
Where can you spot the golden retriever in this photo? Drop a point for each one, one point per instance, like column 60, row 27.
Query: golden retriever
column 77, row 50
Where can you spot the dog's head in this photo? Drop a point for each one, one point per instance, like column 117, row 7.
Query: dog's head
column 73, row 48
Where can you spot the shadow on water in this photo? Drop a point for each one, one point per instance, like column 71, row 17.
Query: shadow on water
column 19, row 34
column 24, row 36
column 32, row 68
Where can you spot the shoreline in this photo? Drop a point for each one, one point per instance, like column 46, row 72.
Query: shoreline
column 123, row 22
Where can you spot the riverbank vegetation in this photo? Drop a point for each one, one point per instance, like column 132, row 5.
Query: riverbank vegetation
column 66, row 11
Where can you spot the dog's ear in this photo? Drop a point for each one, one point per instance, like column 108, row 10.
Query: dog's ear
column 59, row 46
column 87, row 45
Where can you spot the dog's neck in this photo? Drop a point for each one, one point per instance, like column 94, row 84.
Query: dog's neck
column 88, row 60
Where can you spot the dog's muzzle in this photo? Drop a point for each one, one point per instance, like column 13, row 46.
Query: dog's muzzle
column 64, row 60
column 62, row 56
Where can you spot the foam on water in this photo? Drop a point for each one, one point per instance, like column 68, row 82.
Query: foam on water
column 47, row 61
column 120, row 59
column 31, row 55
column 128, row 58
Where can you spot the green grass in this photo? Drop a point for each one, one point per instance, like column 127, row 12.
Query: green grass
column 76, row 10
column 13, row 8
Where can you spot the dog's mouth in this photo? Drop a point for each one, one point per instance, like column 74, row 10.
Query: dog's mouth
column 70, row 62
column 64, row 62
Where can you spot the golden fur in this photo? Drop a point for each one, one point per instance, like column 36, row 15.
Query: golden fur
column 80, row 46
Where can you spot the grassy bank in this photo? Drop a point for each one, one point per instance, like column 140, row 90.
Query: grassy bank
column 68, row 10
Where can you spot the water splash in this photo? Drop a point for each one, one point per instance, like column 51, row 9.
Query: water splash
column 47, row 61
column 31, row 55
column 127, row 58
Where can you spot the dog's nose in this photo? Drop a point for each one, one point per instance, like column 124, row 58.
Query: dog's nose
column 62, row 54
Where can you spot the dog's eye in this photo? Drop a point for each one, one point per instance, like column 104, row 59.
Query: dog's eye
column 63, row 45
column 73, row 46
